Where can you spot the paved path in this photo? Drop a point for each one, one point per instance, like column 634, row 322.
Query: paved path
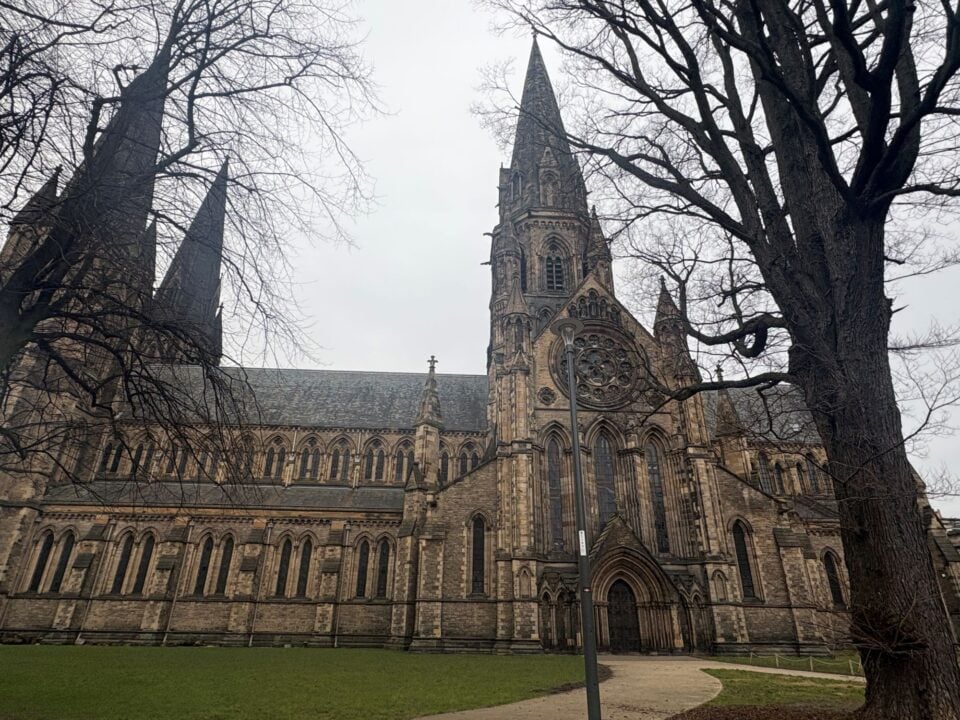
column 642, row 688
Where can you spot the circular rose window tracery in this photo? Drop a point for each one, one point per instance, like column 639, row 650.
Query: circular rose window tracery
column 606, row 367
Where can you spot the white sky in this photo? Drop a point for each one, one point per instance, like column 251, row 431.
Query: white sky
column 414, row 284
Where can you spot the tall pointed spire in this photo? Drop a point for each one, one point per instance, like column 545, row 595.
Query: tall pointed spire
column 35, row 210
column 544, row 171
column 110, row 196
column 599, row 258
column 429, row 413
column 189, row 294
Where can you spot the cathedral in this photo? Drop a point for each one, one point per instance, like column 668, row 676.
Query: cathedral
column 434, row 512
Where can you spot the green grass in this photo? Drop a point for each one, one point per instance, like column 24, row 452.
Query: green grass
column 741, row 687
column 147, row 683
column 839, row 663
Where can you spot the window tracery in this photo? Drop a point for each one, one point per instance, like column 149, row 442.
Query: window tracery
column 655, row 475
column 303, row 575
column 283, row 568
column 146, row 556
column 740, row 536
column 555, row 494
column 363, row 562
column 604, row 474
column 226, row 557
column 203, row 567
column 43, row 557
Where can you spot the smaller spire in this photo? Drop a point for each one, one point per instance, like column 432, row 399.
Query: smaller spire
column 516, row 305
column 728, row 420
column 429, row 413
column 36, row 209
column 667, row 310
column 599, row 249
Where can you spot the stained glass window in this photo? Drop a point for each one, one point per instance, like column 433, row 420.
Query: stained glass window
column 603, row 470
column 655, row 475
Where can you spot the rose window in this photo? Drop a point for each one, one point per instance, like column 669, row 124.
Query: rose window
column 605, row 367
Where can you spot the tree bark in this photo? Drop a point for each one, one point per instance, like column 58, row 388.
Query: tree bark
column 899, row 621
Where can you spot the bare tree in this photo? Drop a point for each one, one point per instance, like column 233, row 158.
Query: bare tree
column 789, row 141
column 144, row 103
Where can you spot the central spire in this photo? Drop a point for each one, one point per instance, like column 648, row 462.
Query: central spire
column 544, row 172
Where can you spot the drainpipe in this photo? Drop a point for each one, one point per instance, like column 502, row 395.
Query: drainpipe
column 263, row 572
column 175, row 581
column 337, row 600
column 96, row 581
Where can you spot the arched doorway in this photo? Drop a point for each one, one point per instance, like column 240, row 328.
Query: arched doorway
column 622, row 618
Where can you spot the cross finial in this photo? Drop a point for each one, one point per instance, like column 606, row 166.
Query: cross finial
column 432, row 362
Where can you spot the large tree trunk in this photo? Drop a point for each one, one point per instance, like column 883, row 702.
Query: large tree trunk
column 899, row 621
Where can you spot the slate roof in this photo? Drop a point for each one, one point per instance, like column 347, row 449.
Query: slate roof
column 778, row 415
column 337, row 398
column 190, row 494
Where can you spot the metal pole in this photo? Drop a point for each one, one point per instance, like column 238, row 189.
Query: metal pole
column 583, row 562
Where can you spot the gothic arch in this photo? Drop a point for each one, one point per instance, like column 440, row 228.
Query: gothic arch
column 603, row 424
column 554, row 429
column 310, row 456
column 746, row 558
column 657, row 600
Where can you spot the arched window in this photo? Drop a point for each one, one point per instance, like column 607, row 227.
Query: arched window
column 340, row 463
column 303, row 575
column 273, row 465
column 778, row 479
column 383, row 568
column 363, row 560
column 123, row 564
column 136, row 459
column 373, row 462
column 203, row 568
column 555, row 273
column 464, row 464
column 478, row 557
column 142, row 467
column 146, row 555
column 833, row 580
column 403, row 462
column 444, row 476
column 110, row 462
column 283, row 568
column 523, row 271
column 310, row 461
column 764, row 467
column 223, row 574
column 604, row 472
column 549, row 189
column 801, row 479
column 66, row 550
column 474, row 459
column 43, row 557
column 743, row 560
column 555, row 494
column 516, row 186
column 814, row 475
column 655, row 474
column 105, row 458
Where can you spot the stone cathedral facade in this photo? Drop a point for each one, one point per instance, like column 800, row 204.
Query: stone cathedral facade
column 434, row 512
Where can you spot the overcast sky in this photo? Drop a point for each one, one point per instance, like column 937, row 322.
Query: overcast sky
column 414, row 284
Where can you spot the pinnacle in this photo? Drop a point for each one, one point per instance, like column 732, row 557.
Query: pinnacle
column 35, row 209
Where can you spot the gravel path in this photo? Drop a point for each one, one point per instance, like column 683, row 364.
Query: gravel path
column 642, row 688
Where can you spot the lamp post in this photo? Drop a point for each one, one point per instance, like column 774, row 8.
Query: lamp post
column 567, row 329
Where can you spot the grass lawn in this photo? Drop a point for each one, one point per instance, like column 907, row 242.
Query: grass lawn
column 839, row 663
column 40, row 682
column 741, row 687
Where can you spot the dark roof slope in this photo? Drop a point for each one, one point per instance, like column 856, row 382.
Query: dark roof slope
column 193, row 494
column 336, row 398
column 777, row 414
